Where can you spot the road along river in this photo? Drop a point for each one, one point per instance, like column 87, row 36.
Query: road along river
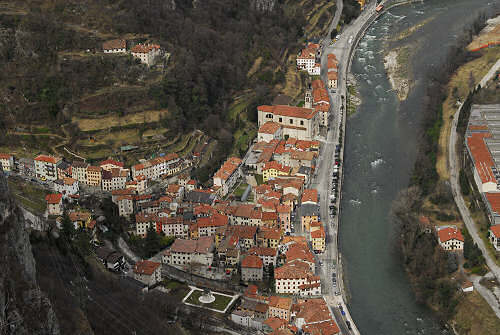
column 381, row 142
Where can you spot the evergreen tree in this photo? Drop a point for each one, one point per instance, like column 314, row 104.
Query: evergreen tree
column 67, row 227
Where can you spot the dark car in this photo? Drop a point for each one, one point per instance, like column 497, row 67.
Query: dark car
column 348, row 325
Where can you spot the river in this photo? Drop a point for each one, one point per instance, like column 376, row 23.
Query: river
column 381, row 141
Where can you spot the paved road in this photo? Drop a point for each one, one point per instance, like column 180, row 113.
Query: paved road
column 322, row 181
column 490, row 298
column 457, row 194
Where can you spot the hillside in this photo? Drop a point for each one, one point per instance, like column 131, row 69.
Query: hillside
column 58, row 90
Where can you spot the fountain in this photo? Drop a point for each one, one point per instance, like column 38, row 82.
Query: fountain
column 207, row 297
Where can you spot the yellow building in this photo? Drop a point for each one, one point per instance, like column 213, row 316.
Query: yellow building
column 273, row 169
column 94, row 175
column 318, row 237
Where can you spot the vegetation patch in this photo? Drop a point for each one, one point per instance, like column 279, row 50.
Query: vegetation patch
column 28, row 195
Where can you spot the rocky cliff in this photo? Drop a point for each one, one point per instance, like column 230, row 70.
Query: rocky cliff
column 24, row 309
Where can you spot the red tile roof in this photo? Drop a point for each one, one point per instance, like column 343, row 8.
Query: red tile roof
column 262, row 251
column 227, row 169
column 111, row 161
column 5, row 156
column 295, row 270
column 482, row 158
column 142, row 48
column 269, row 127
column 47, row 159
column 146, row 267
column 310, row 195
column 283, row 209
column 318, row 233
column 280, row 302
column 252, row 261
column 494, row 200
column 290, row 111
column 332, row 75
column 275, row 323
column 299, row 251
column 495, row 230
column 276, row 166
column 450, row 233
column 53, row 198
column 216, row 220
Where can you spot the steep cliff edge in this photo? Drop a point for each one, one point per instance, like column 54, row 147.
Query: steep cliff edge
column 24, row 309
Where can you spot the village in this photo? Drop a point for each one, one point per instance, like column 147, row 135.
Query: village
column 258, row 224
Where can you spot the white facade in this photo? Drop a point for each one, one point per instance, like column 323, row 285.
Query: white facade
column 125, row 206
column 7, row 162
column 45, row 169
column 66, row 188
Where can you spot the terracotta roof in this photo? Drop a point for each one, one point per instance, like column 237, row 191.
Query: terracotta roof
column 79, row 216
column 263, row 189
column 251, row 291
column 332, row 75
column 261, row 251
column 482, row 158
column 276, row 166
column 227, row 169
column 332, row 64
column 494, row 200
column 247, row 232
column 269, row 127
column 313, row 311
column 47, row 159
column 294, row 239
column 191, row 182
column 495, row 230
column 322, row 328
column 275, row 323
column 318, row 83
column 319, row 233
column 284, row 331
column 450, row 233
column 216, row 220
column 310, row 195
column 69, row 181
column 280, row 302
column 111, row 161
column 252, row 261
column 173, row 188
column 53, row 198
column 283, row 209
column 270, row 234
column 5, row 156
column 299, row 251
column 143, row 48
column 94, row 168
column 269, row 216
column 114, row 44
column 201, row 245
column 295, row 270
column 126, row 191
column 290, row 111
column 146, row 267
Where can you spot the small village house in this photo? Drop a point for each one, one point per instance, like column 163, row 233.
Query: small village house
column 54, row 204
column 147, row 272
column 450, row 238
column 46, row 167
column 7, row 162
column 252, row 268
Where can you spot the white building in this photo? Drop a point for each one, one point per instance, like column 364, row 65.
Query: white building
column 450, row 238
column 125, row 205
column 296, row 278
column 157, row 167
column 147, row 53
column 66, row 186
column 270, row 131
column 114, row 179
column 187, row 252
column 147, row 272
column 114, row 46
column 7, row 162
column 227, row 175
column 79, row 171
column 46, row 167
column 494, row 236
column 297, row 122
column 306, row 59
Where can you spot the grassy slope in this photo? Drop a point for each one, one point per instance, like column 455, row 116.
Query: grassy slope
column 478, row 67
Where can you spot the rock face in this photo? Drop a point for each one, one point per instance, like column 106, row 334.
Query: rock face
column 24, row 309
column 263, row 5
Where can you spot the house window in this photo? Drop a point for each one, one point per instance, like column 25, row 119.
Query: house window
column 301, row 123
column 281, row 119
column 291, row 121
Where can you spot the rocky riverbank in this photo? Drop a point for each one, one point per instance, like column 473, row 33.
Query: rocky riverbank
column 396, row 67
